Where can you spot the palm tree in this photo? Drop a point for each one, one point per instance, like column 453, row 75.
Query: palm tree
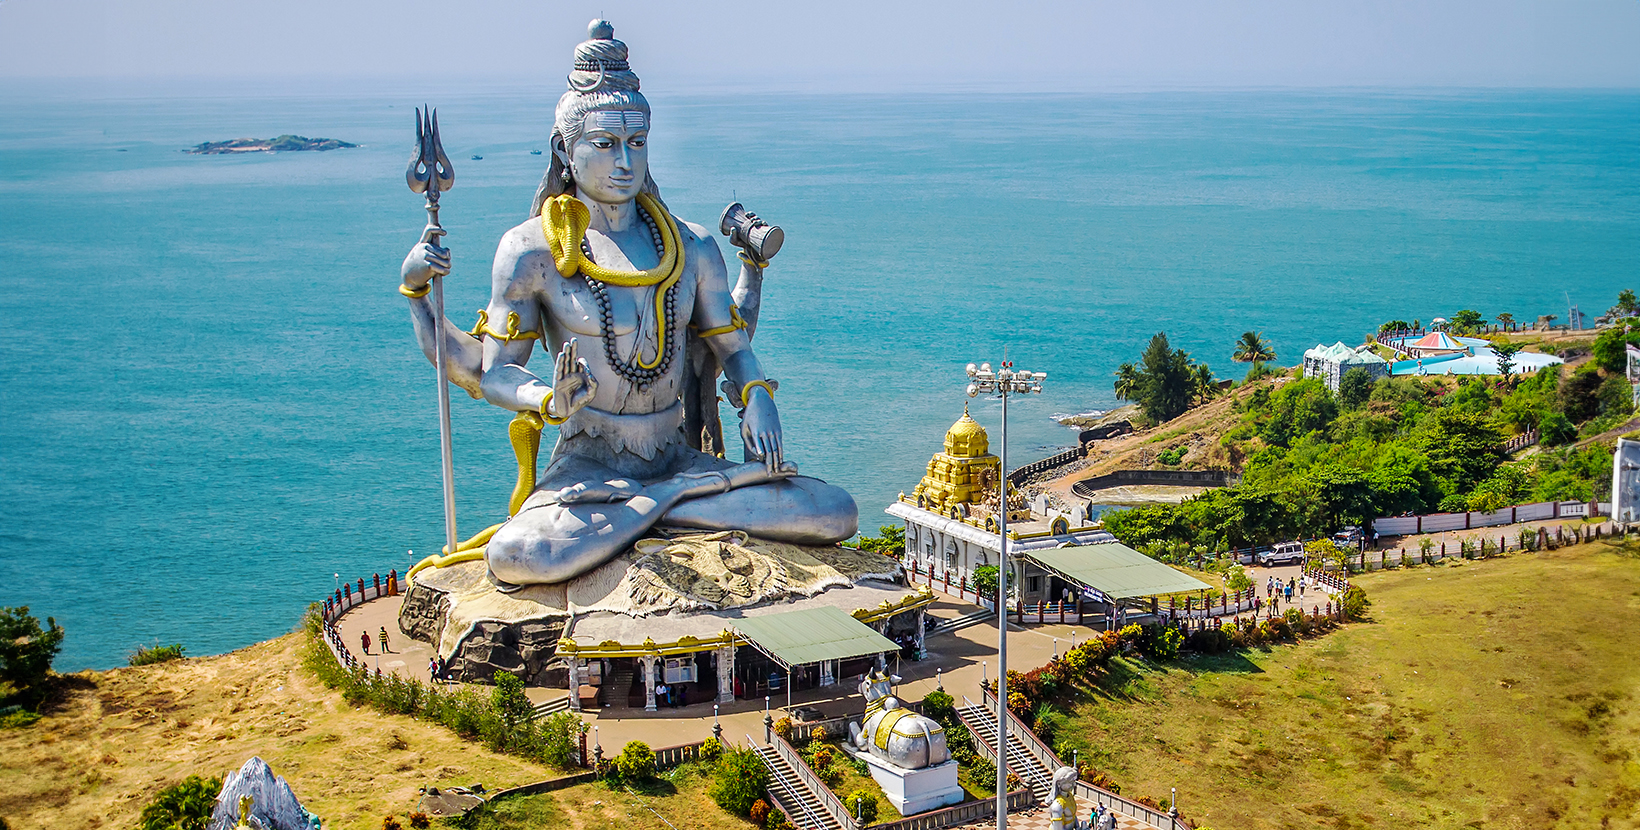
column 1253, row 348
column 1206, row 386
column 1127, row 382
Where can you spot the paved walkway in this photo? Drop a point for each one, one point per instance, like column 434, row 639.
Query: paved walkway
column 956, row 661
column 959, row 660
column 1036, row 818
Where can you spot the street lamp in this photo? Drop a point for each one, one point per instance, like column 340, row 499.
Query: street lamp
column 1003, row 382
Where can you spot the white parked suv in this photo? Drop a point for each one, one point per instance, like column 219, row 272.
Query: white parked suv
column 1282, row 553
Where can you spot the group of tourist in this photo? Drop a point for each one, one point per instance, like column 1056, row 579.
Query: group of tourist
column 381, row 633
column 670, row 697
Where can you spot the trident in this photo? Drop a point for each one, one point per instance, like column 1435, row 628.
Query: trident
column 430, row 173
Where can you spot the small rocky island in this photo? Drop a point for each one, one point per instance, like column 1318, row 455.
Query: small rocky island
column 282, row 144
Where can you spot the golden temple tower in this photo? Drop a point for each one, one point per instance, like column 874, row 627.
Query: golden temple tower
column 961, row 473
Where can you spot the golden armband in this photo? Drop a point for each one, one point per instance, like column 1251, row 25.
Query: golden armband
column 414, row 293
column 512, row 333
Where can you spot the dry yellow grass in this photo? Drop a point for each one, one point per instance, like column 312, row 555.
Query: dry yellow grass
column 120, row 736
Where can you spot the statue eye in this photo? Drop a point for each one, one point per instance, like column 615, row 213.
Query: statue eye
column 638, row 140
column 601, row 142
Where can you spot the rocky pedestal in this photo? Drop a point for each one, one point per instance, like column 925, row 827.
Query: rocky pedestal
column 913, row 791
column 478, row 631
column 273, row 805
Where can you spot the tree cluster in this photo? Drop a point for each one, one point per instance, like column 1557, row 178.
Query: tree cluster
column 1166, row 382
column 1313, row 462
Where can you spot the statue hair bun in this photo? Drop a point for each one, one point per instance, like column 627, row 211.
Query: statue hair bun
column 600, row 62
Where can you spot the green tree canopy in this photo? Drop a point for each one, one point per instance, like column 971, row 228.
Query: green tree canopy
column 1167, row 382
column 1467, row 321
column 1354, row 387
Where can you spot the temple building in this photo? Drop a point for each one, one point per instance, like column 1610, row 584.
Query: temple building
column 951, row 521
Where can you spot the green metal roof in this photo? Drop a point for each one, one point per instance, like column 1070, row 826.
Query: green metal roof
column 1117, row 570
column 811, row 635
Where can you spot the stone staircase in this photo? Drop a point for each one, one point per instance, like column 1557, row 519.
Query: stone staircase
column 959, row 623
column 550, row 707
column 792, row 796
column 1021, row 762
column 616, row 688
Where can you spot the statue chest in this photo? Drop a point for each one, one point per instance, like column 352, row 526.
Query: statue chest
column 625, row 311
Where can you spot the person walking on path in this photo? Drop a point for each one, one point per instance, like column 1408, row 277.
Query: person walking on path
column 382, row 634
column 432, row 668
column 364, row 637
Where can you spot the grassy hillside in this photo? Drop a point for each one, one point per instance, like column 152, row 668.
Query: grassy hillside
column 120, row 736
column 1493, row 694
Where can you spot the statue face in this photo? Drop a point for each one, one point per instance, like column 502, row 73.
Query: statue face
column 610, row 159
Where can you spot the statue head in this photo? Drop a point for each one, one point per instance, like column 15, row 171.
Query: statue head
column 1064, row 780
column 600, row 130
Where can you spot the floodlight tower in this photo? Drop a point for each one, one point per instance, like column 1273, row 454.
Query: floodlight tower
column 1003, row 382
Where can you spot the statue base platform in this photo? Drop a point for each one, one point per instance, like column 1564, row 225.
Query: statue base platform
column 665, row 589
column 914, row 791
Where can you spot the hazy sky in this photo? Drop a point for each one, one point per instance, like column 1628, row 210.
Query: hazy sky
column 846, row 44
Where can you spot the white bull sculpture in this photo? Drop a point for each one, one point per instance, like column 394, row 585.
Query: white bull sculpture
column 893, row 733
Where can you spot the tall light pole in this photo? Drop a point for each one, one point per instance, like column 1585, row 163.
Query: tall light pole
column 1002, row 383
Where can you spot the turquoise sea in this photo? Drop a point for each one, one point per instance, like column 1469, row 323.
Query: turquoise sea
column 210, row 401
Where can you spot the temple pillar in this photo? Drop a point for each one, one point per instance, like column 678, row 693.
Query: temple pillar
column 726, row 674
column 649, row 682
column 922, row 626
column 828, row 672
column 574, row 683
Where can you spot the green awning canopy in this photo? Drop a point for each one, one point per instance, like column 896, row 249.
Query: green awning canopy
column 810, row 635
column 1116, row 570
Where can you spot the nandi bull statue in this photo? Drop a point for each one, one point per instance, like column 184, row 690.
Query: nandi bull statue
column 893, row 733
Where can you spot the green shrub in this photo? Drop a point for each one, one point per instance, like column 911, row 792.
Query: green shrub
column 1355, row 602
column 145, row 655
column 1157, row 642
column 26, row 652
column 862, row 804
column 939, row 706
column 16, row 717
column 182, row 806
column 785, row 728
column 1236, row 579
column 710, row 750
column 985, row 581
column 636, row 761
column 740, row 781
column 509, row 700
column 560, row 736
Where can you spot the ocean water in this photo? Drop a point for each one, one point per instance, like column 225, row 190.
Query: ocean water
column 210, row 401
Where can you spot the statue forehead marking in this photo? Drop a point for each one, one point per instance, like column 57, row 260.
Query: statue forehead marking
column 613, row 120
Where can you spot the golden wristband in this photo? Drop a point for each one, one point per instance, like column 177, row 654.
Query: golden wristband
column 548, row 416
column 746, row 391
column 415, row 294
column 749, row 260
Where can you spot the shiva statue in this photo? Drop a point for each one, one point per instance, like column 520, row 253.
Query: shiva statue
column 892, row 732
column 629, row 292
